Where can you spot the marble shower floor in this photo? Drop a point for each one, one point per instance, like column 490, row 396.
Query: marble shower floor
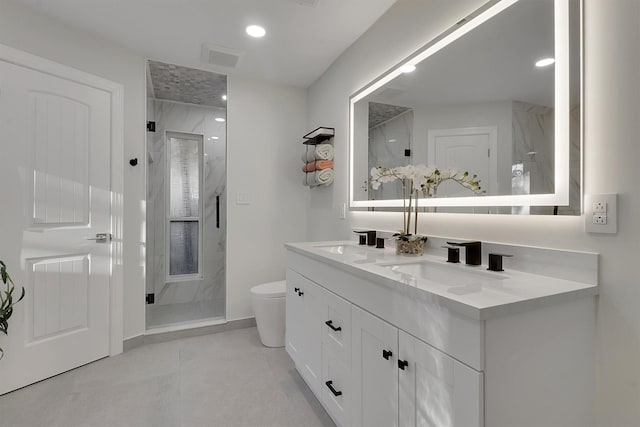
column 177, row 314
column 224, row 379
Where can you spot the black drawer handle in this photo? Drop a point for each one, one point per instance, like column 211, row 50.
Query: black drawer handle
column 296, row 289
column 402, row 364
column 300, row 293
column 386, row 354
column 329, row 323
column 333, row 390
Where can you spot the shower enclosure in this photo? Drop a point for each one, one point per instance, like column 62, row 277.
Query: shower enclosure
column 186, row 197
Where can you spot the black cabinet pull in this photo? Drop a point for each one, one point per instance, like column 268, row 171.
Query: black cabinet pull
column 296, row 290
column 402, row 364
column 333, row 390
column 386, row 354
column 329, row 323
column 300, row 293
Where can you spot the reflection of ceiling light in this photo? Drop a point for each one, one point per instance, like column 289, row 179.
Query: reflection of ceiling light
column 256, row 31
column 393, row 140
column 545, row 62
column 224, row 97
column 408, row 68
column 215, row 137
column 219, row 119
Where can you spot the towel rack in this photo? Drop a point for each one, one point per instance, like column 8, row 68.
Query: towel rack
column 324, row 177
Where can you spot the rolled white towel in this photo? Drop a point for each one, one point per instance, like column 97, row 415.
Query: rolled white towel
column 319, row 177
column 324, row 152
column 317, row 152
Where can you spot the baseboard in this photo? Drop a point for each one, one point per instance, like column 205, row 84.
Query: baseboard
column 140, row 340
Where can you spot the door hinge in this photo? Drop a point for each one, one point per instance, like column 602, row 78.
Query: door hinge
column 151, row 298
column 151, row 126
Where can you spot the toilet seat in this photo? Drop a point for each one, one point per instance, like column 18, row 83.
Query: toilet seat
column 270, row 290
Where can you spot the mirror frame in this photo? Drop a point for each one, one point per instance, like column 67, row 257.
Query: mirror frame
column 562, row 112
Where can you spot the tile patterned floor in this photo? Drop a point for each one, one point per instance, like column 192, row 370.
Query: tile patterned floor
column 223, row 379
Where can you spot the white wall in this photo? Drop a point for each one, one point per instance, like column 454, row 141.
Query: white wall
column 265, row 127
column 34, row 33
column 612, row 153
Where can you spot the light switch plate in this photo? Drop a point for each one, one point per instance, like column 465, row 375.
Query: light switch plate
column 342, row 211
column 601, row 213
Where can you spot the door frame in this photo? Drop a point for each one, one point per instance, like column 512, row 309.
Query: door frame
column 490, row 131
column 116, row 91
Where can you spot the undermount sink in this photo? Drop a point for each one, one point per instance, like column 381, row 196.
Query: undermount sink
column 344, row 249
column 461, row 279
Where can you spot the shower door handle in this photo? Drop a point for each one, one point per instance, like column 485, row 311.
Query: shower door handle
column 217, row 211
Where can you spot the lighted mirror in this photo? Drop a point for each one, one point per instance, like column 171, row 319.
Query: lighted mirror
column 497, row 96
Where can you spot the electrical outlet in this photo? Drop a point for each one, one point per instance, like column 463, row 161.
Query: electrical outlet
column 601, row 213
column 600, row 206
column 600, row 219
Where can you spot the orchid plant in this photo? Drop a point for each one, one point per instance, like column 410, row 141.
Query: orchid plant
column 416, row 180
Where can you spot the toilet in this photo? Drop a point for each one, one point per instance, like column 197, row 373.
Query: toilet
column 269, row 307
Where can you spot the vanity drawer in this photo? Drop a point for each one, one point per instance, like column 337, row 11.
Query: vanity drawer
column 336, row 335
column 336, row 395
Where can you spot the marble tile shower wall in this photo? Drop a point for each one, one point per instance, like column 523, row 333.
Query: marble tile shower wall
column 387, row 143
column 534, row 147
column 184, row 118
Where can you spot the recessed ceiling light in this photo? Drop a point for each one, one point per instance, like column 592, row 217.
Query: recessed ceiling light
column 545, row 62
column 224, row 97
column 408, row 68
column 256, row 31
column 220, row 119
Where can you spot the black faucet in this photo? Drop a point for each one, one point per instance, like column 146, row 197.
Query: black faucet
column 472, row 252
column 371, row 237
column 495, row 261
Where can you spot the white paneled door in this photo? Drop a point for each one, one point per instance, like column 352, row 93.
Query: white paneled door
column 55, row 149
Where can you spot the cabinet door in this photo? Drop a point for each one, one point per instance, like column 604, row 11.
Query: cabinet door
column 294, row 316
column 374, row 371
column 312, row 327
column 437, row 390
column 305, row 327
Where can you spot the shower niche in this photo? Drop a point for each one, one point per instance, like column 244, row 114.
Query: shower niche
column 186, row 197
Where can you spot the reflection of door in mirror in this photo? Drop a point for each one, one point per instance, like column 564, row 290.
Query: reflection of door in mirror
column 471, row 150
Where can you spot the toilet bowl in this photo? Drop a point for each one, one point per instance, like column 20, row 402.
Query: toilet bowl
column 269, row 308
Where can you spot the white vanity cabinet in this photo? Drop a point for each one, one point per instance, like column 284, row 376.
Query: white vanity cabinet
column 380, row 348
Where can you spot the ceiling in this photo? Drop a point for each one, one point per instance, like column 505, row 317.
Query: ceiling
column 303, row 36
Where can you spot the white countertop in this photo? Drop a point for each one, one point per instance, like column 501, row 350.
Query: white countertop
column 470, row 290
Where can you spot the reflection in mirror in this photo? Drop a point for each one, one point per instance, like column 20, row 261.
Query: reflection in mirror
column 483, row 104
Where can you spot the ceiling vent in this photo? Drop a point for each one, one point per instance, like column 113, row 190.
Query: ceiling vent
column 221, row 56
column 309, row 3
